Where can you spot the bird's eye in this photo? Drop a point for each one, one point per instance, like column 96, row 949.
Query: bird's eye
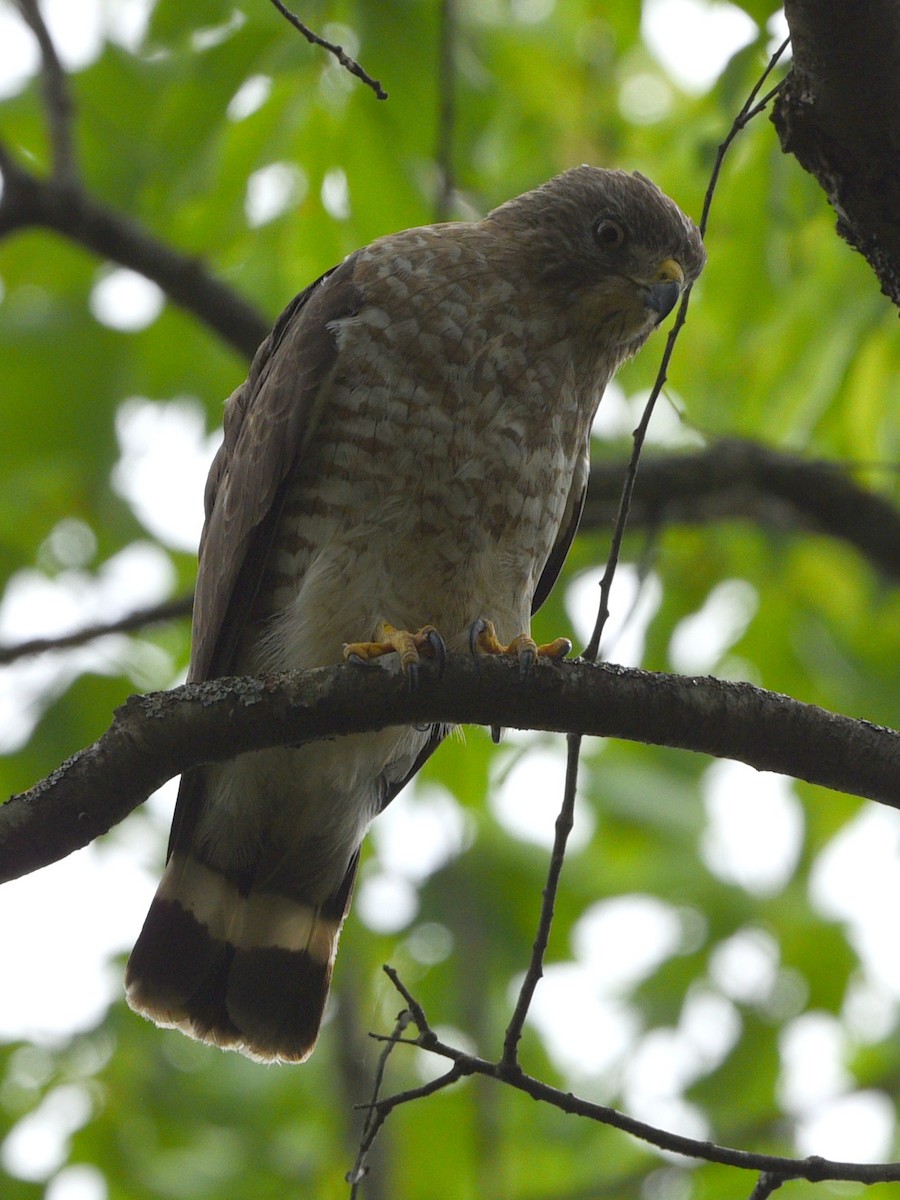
column 609, row 233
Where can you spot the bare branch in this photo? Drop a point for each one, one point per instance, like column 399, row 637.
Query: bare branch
column 338, row 51
column 774, row 1168
column 373, row 1120
column 733, row 478
column 446, row 117
column 749, row 110
column 141, row 618
column 767, row 1183
column 28, row 201
column 154, row 737
column 384, row 1107
column 60, row 203
column 380, row 1110
column 58, row 103
column 737, row 478
column 535, row 971
column 592, row 649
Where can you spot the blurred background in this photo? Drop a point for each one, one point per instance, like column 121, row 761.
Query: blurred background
column 725, row 959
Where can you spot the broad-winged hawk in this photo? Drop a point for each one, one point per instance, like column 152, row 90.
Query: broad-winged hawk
column 409, row 450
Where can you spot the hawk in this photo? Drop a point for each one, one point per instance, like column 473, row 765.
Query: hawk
column 403, row 471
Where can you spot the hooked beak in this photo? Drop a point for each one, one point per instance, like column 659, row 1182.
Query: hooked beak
column 662, row 294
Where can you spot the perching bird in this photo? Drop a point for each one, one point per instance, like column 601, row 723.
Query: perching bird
column 409, row 451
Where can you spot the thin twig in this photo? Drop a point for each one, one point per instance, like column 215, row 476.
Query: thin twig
column 383, row 1108
column 372, row 1123
column 592, row 649
column 57, row 97
column 339, row 53
column 767, row 1183
column 414, row 1007
column 533, row 974
column 380, row 1110
column 157, row 614
column 772, row 1167
column 749, row 110
column 564, row 820
column 446, row 117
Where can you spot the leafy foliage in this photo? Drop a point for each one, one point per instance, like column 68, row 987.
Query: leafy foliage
column 788, row 342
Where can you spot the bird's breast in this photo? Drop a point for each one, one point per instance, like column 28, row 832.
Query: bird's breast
column 436, row 479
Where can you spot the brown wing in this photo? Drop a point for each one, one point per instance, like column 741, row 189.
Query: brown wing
column 268, row 423
column 567, row 530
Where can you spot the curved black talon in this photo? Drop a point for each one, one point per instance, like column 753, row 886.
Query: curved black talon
column 438, row 649
column 527, row 659
column 359, row 661
column 478, row 626
column 412, row 677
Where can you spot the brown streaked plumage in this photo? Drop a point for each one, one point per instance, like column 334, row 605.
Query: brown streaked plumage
column 411, row 447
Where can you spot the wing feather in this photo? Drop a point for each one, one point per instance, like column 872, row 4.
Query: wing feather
column 568, row 527
column 268, row 422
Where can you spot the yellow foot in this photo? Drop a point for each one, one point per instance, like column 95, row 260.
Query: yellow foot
column 409, row 647
column 523, row 648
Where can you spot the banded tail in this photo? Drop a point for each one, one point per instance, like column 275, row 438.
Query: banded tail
column 242, row 968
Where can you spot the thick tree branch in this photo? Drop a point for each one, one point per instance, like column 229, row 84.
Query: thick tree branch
column 156, row 736
column 736, row 478
column 840, row 116
column 28, row 201
column 731, row 479
column 62, row 204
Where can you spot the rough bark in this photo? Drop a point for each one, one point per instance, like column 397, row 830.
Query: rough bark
column 839, row 115
column 156, row 736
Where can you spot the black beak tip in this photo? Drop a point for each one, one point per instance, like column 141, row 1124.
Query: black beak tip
column 662, row 297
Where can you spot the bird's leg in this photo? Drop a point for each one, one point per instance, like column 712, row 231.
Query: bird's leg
column 523, row 648
column 410, row 648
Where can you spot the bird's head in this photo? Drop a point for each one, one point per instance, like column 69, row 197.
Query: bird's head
column 607, row 250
